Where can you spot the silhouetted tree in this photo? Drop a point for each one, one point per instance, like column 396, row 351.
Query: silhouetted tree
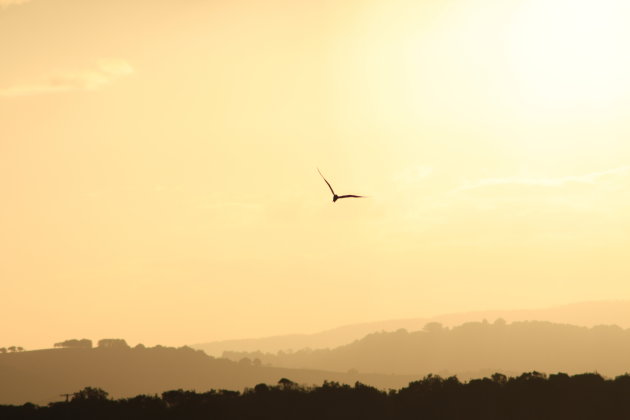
column 89, row 393
column 287, row 384
column 500, row 322
column 177, row 397
column 499, row 378
column 74, row 343
column 433, row 327
column 112, row 343
column 261, row 388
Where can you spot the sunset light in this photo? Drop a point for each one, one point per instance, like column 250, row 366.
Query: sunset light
column 191, row 172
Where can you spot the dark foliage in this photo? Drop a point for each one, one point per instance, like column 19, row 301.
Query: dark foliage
column 529, row 396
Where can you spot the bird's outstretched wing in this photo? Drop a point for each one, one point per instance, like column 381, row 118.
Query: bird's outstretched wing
column 351, row 196
column 327, row 183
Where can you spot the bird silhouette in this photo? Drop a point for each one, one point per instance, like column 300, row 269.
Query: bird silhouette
column 335, row 196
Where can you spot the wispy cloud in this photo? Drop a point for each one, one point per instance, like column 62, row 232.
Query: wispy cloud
column 107, row 71
column 590, row 178
column 7, row 3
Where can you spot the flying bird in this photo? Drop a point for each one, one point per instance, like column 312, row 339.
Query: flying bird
column 335, row 196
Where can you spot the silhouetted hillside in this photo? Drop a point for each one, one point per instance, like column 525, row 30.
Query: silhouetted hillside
column 585, row 314
column 470, row 348
column 529, row 396
column 44, row 375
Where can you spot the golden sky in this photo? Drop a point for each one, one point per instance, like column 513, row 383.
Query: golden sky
column 158, row 163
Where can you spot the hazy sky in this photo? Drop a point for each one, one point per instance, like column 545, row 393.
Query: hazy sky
column 158, row 163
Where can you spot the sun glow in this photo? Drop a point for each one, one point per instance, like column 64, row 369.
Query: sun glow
column 169, row 193
column 568, row 53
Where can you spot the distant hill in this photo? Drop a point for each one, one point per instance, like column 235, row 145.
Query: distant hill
column 42, row 376
column 585, row 314
column 471, row 347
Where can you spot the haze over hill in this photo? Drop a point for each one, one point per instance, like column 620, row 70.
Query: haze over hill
column 471, row 347
column 384, row 360
column 585, row 314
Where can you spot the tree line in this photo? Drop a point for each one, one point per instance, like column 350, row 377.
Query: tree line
column 74, row 343
column 531, row 395
column 84, row 343
column 11, row 349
